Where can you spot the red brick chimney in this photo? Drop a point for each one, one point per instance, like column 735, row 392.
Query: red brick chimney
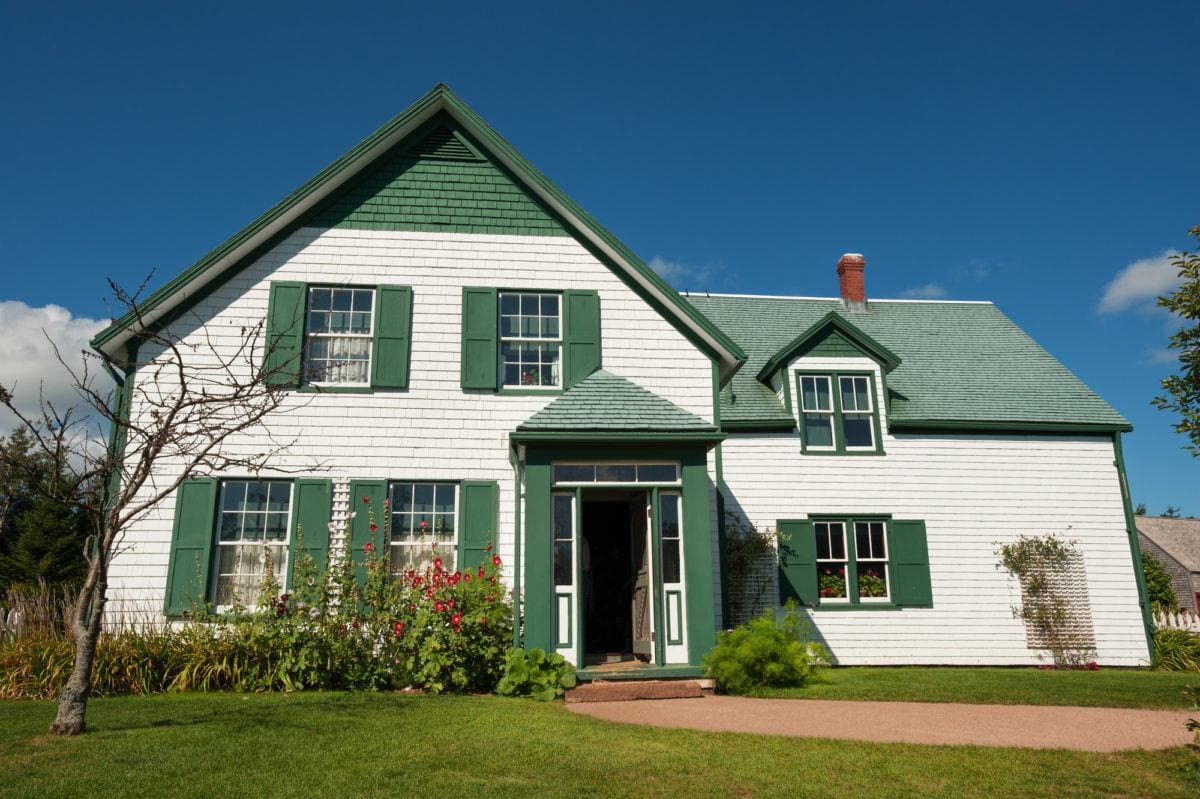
column 850, row 276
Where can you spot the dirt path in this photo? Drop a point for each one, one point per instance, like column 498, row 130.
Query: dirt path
column 1092, row 729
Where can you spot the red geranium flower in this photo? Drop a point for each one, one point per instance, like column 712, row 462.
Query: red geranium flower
column 496, row 560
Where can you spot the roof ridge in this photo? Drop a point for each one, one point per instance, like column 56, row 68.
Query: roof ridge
column 729, row 295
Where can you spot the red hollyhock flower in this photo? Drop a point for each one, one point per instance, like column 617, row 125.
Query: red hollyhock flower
column 368, row 547
column 438, row 606
column 496, row 560
column 480, row 572
column 453, row 579
column 489, row 547
column 429, row 592
column 366, row 500
column 417, row 581
column 466, row 575
column 456, row 619
column 398, row 629
column 450, row 603
column 374, row 527
column 437, row 564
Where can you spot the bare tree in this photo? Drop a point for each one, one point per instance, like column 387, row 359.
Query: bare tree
column 188, row 399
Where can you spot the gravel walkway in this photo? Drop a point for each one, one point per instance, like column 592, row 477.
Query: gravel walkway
column 1091, row 729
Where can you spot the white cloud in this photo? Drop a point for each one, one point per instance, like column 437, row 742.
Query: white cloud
column 1162, row 356
column 929, row 291
column 976, row 269
column 27, row 362
column 1140, row 284
column 676, row 273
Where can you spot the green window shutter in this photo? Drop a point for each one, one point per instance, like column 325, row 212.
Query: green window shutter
column 284, row 339
column 908, row 553
column 393, row 330
column 479, row 506
column 191, row 545
column 313, row 504
column 479, row 353
column 375, row 492
column 581, row 335
column 798, row 562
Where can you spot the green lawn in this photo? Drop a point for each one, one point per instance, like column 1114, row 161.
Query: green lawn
column 317, row 745
column 1015, row 686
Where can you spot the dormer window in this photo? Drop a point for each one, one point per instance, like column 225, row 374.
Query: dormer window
column 838, row 413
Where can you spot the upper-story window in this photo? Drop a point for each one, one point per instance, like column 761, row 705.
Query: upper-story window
column 339, row 333
column 838, row 413
column 530, row 340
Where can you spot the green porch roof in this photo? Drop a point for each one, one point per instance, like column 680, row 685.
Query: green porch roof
column 606, row 403
column 963, row 365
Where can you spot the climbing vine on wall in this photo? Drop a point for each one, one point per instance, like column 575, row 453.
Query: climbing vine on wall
column 1043, row 565
column 747, row 551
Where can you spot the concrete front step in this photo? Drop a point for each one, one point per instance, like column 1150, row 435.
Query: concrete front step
column 625, row 690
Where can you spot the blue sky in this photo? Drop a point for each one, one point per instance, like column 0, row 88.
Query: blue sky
column 1030, row 154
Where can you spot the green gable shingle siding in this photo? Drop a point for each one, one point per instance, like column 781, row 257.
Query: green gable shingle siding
column 430, row 184
column 963, row 364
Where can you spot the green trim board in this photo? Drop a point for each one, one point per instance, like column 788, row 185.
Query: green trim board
column 832, row 323
column 290, row 213
column 1135, row 546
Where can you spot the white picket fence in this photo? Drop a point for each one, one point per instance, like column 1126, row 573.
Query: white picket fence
column 1183, row 620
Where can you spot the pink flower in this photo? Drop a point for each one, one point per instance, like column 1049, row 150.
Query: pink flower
column 496, row 560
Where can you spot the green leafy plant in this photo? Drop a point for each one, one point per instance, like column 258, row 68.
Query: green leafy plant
column 770, row 651
column 871, row 584
column 831, row 584
column 1176, row 650
column 534, row 673
column 1037, row 561
column 1158, row 584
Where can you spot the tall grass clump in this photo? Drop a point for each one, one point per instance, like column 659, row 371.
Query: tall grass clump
column 1177, row 650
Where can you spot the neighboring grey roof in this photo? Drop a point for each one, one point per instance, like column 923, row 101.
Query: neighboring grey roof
column 605, row 402
column 1180, row 538
column 963, row 363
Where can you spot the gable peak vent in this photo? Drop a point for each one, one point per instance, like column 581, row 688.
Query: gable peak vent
column 442, row 143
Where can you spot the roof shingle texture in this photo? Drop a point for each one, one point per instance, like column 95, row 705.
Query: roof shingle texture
column 961, row 362
column 1180, row 538
column 606, row 402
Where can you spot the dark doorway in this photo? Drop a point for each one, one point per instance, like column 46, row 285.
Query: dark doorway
column 609, row 575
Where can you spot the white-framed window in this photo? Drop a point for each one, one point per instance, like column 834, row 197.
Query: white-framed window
column 816, row 411
column 833, row 575
column 838, row 413
column 858, row 419
column 340, row 328
column 423, row 514
column 565, row 473
column 871, row 561
column 530, row 339
column 564, row 539
column 672, row 539
column 253, row 523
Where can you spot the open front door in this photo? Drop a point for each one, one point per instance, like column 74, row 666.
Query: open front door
column 643, row 628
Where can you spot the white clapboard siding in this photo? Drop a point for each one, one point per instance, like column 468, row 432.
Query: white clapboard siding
column 433, row 430
column 974, row 492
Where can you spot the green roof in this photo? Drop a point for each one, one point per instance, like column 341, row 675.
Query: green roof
column 963, row 364
column 604, row 402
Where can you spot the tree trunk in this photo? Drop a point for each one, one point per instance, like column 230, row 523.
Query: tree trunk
column 72, row 702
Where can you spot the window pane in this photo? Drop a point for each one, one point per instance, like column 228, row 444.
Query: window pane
column 256, row 496
column 564, row 516
column 529, row 304
column 837, row 541
column 341, row 300
column 574, row 474
column 509, row 304
column 657, row 474
column 668, row 515
column 818, row 430
column 670, row 556
column 233, row 495
column 616, row 473
column 252, row 527
column 231, row 526
column 363, row 300
column 318, row 299
column 855, row 394
column 508, row 326
column 831, row 581
column 277, row 526
column 564, row 571
column 278, row 497
column 443, row 498
column 550, row 305
column 858, row 431
column 316, row 323
column 814, row 393
column 423, row 497
column 823, row 549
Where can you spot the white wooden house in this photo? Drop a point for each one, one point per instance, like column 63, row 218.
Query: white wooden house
column 481, row 352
